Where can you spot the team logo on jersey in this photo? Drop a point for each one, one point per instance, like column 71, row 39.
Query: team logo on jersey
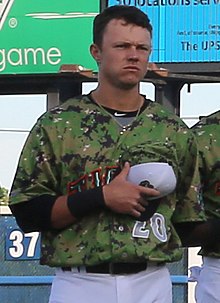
column 5, row 6
column 217, row 188
column 95, row 178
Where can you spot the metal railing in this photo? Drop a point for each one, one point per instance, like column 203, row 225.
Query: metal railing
column 38, row 280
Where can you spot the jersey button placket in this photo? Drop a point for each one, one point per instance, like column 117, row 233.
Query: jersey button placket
column 121, row 228
column 124, row 255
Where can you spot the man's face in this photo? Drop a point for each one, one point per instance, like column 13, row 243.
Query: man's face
column 124, row 54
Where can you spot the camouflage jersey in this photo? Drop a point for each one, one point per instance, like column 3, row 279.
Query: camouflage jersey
column 78, row 146
column 208, row 136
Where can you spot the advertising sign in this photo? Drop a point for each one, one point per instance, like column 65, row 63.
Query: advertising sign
column 18, row 245
column 40, row 36
column 184, row 31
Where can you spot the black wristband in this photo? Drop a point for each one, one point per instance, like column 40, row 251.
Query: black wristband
column 82, row 203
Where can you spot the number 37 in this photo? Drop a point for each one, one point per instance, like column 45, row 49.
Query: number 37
column 23, row 246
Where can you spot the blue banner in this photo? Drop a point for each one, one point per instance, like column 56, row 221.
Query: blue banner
column 183, row 30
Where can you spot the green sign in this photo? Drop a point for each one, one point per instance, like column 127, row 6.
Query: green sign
column 40, row 36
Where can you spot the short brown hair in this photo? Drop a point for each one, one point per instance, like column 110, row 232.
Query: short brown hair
column 131, row 15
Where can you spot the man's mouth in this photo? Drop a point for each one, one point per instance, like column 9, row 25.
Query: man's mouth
column 132, row 67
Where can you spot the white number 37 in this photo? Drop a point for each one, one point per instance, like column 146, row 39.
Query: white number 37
column 18, row 247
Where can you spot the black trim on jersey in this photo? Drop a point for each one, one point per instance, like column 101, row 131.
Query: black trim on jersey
column 120, row 114
column 127, row 114
column 35, row 214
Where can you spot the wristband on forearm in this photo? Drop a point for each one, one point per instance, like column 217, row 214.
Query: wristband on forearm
column 82, row 203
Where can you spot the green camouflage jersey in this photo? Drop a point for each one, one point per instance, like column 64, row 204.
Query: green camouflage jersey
column 208, row 136
column 78, row 146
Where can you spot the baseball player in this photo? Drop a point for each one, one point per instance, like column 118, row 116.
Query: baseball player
column 107, row 238
column 208, row 276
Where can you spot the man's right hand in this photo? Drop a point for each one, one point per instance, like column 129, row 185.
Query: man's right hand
column 124, row 197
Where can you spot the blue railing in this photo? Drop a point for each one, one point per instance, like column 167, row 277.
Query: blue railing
column 37, row 280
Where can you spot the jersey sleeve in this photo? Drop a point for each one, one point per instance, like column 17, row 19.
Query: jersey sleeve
column 207, row 132
column 36, row 173
column 189, row 206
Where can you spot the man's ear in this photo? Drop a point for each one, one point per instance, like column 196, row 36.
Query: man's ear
column 95, row 52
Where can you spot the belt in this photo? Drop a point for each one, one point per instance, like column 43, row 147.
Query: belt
column 114, row 268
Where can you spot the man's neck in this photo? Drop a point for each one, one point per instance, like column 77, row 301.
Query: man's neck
column 126, row 100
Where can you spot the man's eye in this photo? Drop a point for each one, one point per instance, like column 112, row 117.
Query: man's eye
column 145, row 48
column 121, row 46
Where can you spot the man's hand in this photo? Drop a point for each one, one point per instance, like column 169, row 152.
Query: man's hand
column 124, row 197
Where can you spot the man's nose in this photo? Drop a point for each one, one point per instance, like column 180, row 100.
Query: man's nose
column 132, row 53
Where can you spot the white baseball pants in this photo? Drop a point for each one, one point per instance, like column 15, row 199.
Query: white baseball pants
column 152, row 285
column 208, row 281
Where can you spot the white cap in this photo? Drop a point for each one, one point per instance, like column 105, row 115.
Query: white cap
column 157, row 175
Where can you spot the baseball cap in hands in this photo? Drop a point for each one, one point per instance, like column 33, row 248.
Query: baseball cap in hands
column 157, row 175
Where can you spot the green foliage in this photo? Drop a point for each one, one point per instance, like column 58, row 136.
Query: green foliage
column 3, row 196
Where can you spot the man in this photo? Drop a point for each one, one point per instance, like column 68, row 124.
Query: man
column 108, row 240
column 208, row 277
